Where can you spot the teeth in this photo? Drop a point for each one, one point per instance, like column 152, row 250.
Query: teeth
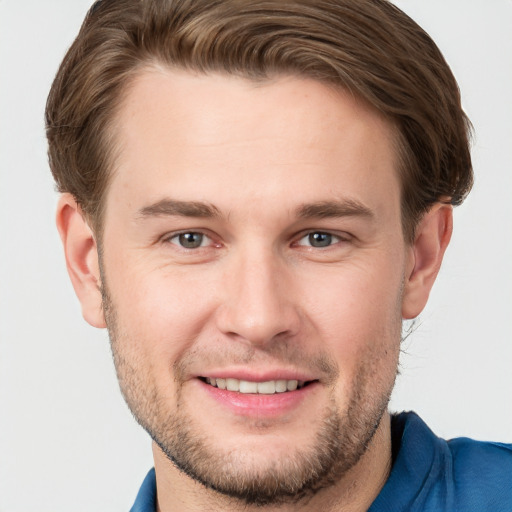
column 268, row 387
column 248, row 387
column 291, row 385
column 232, row 384
column 281, row 386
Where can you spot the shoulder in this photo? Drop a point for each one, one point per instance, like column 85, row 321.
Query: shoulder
column 468, row 451
column 482, row 473
column 430, row 474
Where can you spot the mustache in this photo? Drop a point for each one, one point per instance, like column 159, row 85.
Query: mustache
column 277, row 354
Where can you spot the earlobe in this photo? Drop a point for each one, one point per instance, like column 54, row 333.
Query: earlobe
column 81, row 254
column 433, row 234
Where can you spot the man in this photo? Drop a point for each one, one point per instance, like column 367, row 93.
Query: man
column 255, row 194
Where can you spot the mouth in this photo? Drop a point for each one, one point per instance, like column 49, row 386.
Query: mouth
column 259, row 397
column 268, row 387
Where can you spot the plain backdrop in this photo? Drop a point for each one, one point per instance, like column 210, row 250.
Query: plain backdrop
column 67, row 440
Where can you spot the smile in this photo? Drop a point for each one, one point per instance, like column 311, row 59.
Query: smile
column 268, row 387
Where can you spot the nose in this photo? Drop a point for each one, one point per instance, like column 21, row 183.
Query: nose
column 258, row 306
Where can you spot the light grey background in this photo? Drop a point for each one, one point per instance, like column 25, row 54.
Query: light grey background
column 67, row 441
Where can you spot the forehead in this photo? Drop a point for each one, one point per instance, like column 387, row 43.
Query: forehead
column 227, row 140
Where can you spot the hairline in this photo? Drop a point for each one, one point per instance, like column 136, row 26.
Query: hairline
column 110, row 139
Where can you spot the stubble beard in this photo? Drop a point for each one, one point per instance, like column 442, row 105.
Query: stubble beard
column 339, row 443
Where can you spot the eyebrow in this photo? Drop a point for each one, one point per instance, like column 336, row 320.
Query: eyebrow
column 172, row 207
column 327, row 209
column 318, row 210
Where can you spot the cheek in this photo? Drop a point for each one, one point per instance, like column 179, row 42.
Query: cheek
column 358, row 315
column 160, row 313
column 355, row 299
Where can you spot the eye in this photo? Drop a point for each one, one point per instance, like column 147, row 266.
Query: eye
column 319, row 239
column 190, row 240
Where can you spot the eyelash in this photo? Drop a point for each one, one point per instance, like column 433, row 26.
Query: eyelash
column 332, row 238
column 170, row 238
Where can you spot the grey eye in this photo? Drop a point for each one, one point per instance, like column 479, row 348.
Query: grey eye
column 190, row 240
column 319, row 239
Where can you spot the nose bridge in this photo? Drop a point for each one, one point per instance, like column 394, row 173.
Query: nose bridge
column 257, row 303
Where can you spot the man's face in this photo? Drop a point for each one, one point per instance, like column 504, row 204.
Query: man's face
column 253, row 241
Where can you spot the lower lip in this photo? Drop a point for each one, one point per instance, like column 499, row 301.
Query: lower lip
column 252, row 404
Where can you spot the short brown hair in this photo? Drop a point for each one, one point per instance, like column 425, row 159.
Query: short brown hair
column 369, row 47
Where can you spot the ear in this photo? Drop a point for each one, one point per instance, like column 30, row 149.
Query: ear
column 81, row 254
column 433, row 234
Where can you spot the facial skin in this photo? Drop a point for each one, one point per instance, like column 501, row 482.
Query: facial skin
column 252, row 232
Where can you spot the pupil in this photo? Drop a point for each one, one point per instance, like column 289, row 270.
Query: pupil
column 320, row 239
column 191, row 240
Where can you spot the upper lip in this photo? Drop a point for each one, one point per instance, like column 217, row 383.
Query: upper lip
column 258, row 376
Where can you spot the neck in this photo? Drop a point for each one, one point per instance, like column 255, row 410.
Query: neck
column 354, row 492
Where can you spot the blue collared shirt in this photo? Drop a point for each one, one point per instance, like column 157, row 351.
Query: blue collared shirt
column 429, row 474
